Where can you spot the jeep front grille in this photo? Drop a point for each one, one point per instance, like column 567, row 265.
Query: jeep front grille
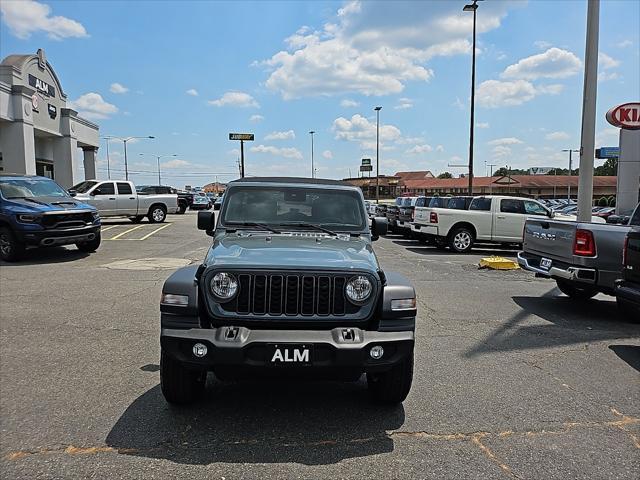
column 290, row 295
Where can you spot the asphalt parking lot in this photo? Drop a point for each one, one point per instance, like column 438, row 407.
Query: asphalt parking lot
column 512, row 379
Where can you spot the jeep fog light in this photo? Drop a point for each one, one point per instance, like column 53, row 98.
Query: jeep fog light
column 199, row 350
column 403, row 304
column 173, row 299
column 376, row 352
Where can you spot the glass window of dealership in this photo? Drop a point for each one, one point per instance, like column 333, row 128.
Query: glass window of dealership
column 39, row 134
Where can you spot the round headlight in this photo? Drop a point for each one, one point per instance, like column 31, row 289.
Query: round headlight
column 358, row 289
column 224, row 285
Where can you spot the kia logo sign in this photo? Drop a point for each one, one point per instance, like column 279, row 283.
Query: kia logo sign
column 625, row 116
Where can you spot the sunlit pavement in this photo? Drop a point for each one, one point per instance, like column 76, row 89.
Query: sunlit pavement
column 512, row 379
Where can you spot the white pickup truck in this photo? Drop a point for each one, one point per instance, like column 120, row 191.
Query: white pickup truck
column 120, row 199
column 496, row 219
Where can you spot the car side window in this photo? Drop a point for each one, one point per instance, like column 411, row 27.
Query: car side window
column 635, row 220
column 509, row 205
column 124, row 188
column 105, row 189
column 533, row 208
column 420, row 202
column 483, row 204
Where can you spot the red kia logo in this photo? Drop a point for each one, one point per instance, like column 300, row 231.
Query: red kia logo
column 625, row 116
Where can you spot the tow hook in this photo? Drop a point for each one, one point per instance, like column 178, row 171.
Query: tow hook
column 231, row 333
column 348, row 334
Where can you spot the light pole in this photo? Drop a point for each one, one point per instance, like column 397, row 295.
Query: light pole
column 377, row 109
column 313, row 170
column 124, row 140
column 158, row 157
column 108, row 160
column 570, row 164
column 472, row 7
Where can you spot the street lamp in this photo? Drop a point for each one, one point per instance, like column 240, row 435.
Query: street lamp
column 377, row 109
column 108, row 160
column 472, row 7
column 158, row 157
column 313, row 170
column 124, row 141
column 569, row 179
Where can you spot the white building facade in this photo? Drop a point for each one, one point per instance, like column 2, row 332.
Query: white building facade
column 39, row 134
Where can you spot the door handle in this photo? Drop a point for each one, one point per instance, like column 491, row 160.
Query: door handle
column 111, row 198
column 132, row 198
column 501, row 217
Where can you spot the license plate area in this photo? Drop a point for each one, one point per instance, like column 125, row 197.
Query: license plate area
column 283, row 354
column 545, row 263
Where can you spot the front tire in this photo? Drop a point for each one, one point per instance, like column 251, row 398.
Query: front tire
column 157, row 214
column 392, row 387
column 11, row 249
column 577, row 293
column 90, row 246
column 182, row 207
column 461, row 240
column 179, row 385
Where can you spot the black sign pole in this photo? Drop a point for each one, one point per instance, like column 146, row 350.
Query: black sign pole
column 241, row 158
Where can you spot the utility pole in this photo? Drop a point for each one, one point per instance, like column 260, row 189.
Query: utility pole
column 570, row 165
column 124, row 141
column 472, row 7
column 313, row 170
column 377, row 109
column 587, row 137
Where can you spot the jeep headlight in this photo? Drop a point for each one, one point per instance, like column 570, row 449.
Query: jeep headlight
column 358, row 289
column 224, row 286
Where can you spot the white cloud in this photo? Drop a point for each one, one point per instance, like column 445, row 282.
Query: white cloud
column 501, row 151
column 624, row 43
column 554, row 63
column 542, row 44
column 288, row 135
column 495, row 93
column 192, row 91
column 92, row 106
column 505, row 141
column 482, row 125
column 606, row 76
column 557, row 136
column 175, row 163
column 26, row 17
column 256, row 118
column 328, row 154
column 288, row 152
column 235, row 99
column 360, row 129
column 373, row 49
column 417, row 149
column 605, row 62
column 347, row 103
column 118, row 88
column 404, row 103
column 439, row 148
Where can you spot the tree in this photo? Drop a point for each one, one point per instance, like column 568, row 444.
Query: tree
column 445, row 175
column 603, row 202
column 610, row 168
column 612, row 201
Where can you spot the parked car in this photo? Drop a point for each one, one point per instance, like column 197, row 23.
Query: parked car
column 627, row 289
column 392, row 211
column 405, row 213
column 291, row 286
column 421, row 215
column 200, row 202
column 218, row 202
column 381, row 210
column 606, row 212
column 37, row 212
column 120, row 199
column 185, row 199
column 583, row 258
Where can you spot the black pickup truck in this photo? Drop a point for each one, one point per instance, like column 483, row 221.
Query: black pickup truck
column 185, row 199
column 628, row 288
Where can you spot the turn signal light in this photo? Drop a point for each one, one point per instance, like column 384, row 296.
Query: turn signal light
column 584, row 245
column 433, row 217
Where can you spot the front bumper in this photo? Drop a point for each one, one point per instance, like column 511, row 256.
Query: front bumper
column 56, row 237
column 558, row 270
column 243, row 347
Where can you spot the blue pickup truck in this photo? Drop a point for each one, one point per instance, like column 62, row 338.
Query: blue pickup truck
column 37, row 212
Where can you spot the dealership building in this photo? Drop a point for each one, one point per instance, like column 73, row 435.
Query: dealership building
column 39, row 133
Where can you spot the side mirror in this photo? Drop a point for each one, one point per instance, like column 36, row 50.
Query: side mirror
column 550, row 214
column 379, row 227
column 206, row 222
column 73, row 193
column 95, row 192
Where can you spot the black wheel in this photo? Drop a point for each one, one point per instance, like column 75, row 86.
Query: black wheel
column 157, row 214
column 578, row 293
column 393, row 386
column 182, row 207
column 90, row 246
column 137, row 219
column 10, row 249
column 630, row 311
column 461, row 240
column 180, row 385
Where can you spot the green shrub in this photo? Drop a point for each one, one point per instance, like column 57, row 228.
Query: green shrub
column 612, row 201
column 603, row 202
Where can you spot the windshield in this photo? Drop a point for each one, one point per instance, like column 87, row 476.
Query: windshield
column 84, row 187
column 31, row 188
column 340, row 209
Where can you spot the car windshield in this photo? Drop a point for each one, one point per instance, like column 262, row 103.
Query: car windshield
column 31, row 188
column 342, row 210
column 84, row 187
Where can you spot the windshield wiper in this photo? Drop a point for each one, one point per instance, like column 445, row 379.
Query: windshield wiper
column 263, row 226
column 310, row 225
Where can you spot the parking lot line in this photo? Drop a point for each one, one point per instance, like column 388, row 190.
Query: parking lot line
column 109, row 228
column 155, row 231
column 126, row 231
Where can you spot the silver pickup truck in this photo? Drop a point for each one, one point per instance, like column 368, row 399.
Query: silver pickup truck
column 583, row 258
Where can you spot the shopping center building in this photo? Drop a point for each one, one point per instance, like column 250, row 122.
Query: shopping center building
column 39, row 133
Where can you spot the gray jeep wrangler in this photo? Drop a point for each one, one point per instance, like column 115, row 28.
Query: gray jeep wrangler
column 290, row 286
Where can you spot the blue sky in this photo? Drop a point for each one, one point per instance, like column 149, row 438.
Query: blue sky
column 191, row 72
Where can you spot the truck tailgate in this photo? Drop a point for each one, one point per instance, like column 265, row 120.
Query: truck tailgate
column 549, row 238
